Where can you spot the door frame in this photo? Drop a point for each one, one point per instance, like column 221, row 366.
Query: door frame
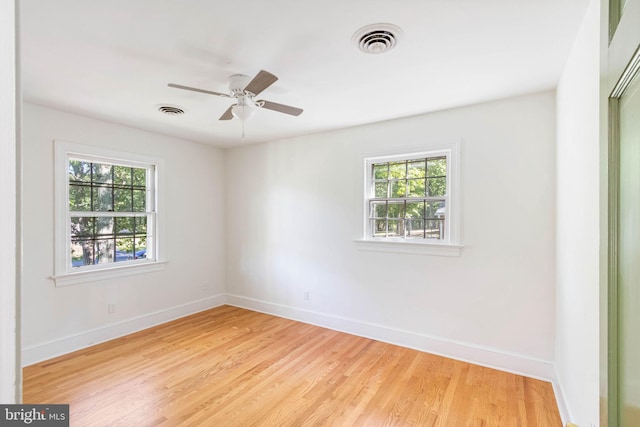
column 10, row 372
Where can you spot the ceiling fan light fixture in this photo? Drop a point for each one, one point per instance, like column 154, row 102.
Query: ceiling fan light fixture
column 242, row 111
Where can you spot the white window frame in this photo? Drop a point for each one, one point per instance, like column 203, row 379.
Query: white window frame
column 451, row 244
column 64, row 274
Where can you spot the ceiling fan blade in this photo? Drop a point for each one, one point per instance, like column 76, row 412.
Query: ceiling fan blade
column 227, row 114
column 198, row 90
column 281, row 108
column 260, row 82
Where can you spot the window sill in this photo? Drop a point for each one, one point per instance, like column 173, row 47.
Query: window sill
column 438, row 249
column 69, row 279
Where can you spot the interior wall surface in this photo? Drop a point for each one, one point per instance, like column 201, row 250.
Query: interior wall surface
column 57, row 319
column 578, row 224
column 295, row 212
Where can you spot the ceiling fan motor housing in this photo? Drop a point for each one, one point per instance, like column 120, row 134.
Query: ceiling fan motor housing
column 237, row 83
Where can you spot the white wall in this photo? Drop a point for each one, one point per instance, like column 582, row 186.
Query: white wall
column 9, row 370
column 578, row 222
column 294, row 208
column 60, row 319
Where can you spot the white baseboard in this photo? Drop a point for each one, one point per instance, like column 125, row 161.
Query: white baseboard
column 478, row 355
column 565, row 415
column 47, row 350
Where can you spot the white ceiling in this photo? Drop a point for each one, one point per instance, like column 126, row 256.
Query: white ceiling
column 112, row 59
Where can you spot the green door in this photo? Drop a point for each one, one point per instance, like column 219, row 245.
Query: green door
column 628, row 292
column 623, row 56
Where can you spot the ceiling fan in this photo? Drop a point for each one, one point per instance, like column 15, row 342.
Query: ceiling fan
column 244, row 89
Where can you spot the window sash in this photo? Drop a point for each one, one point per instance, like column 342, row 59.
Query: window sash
column 113, row 237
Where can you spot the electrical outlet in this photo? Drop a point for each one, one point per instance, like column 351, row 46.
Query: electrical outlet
column 111, row 308
column 306, row 295
column 205, row 285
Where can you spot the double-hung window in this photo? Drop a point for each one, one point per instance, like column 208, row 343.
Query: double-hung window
column 106, row 211
column 408, row 198
column 413, row 198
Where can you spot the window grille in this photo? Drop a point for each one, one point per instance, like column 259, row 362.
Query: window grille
column 408, row 198
column 111, row 212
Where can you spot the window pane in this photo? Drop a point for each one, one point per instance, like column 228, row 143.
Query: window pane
column 79, row 171
column 105, row 251
column 381, row 189
column 398, row 170
column 415, row 228
column 82, row 251
column 415, row 210
column 140, row 238
column 398, row 188
column 141, row 225
column 139, row 177
column 124, row 226
column 437, row 186
column 416, row 188
column 396, row 228
column 122, row 176
column 378, row 210
column 141, row 249
column 124, row 249
column 417, row 169
column 79, row 197
column 102, row 199
column 435, row 229
column 123, row 200
column 139, row 200
column 82, row 226
column 395, row 210
column 104, row 226
column 435, row 210
column 380, row 171
column 379, row 227
column 102, row 173
column 437, row 167
column 140, row 242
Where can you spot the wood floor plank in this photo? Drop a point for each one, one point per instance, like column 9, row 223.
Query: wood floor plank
column 234, row 367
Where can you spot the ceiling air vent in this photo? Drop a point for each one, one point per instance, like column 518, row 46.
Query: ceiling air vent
column 171, row 110
column 377, row 38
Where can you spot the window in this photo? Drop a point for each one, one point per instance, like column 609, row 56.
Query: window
column 408, row 198
column 106, row 212
column 412, row 198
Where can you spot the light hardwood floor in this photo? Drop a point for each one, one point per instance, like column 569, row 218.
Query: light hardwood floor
column 233, row 367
